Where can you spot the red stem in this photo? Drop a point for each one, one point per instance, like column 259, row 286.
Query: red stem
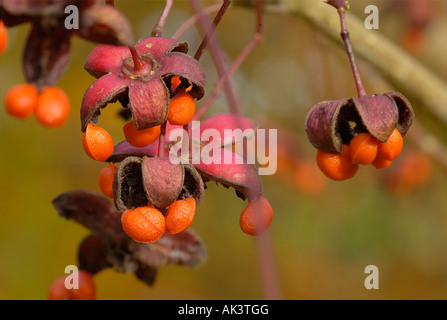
column 195, row 18
column 345, row 36
column 138, row 64
column 210, row 32
column 219, row 59
column 271, row 288
column 236, row 63
column 158, row 29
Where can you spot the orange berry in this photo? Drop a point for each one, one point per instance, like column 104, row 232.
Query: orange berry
column 86, row 288
column 181, row 109
column 363, row 148
column 53, row 107
column 106, row 179
column 180, row 215
column 380, row 163
column 256, row 217
column 21, row 100
column 3, row 37
column 391, row 149
column 337, row 166
column 97, row 142
column 140, row 138
column 143, row 224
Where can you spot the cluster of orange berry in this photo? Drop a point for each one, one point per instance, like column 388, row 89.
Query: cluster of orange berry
column 363, row 149
column 51, row 106
column 144, row 224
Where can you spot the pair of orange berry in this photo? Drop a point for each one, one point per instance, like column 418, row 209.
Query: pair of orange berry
column 85, row 291
column 147, row 224
column 363, row 149
column 3, row 37
column 51, row 106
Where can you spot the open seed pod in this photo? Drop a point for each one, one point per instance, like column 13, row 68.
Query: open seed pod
column 142, row 180
column 329, row 124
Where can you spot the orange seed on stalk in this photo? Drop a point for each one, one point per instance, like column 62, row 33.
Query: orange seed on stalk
column 86, row 288
column 363, row 148
column 3, row 37
column 53, row 107
column 180, row 215
column 181, row 109
column 140, row 138
column 337, row 166
column 106, row 179
column 256, row 217
column 391, row 149
column 21, row 100
column 143, row 224
column 97, row 142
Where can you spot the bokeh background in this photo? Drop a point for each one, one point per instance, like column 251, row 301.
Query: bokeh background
column 324, row 233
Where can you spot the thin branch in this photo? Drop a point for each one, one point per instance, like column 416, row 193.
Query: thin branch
column 269, row 272
column 345, row 36
column 255, row 40
column 220, row 83
column 194, row 19
column 218, row 56
column 219, row 15
column 271, row 288
column 158, row 29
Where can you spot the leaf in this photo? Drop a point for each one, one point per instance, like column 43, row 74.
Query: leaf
column 47, row 54
column 185, row 248
column 93, row 211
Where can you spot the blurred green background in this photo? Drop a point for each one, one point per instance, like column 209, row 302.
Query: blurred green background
column 322, row 240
